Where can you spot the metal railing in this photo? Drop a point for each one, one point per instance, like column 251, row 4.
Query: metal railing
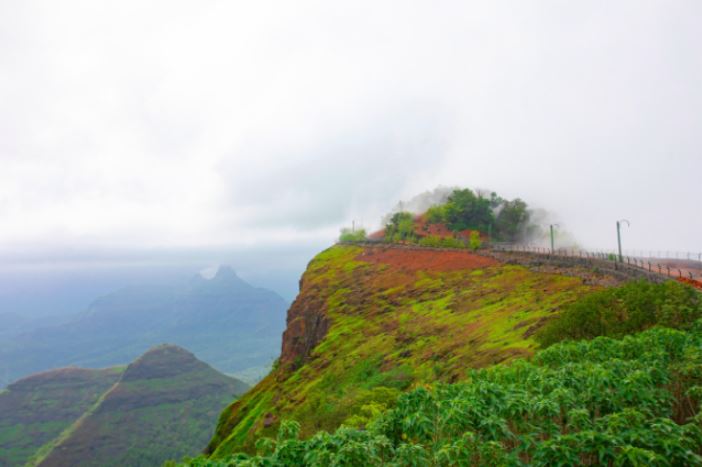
column 665, row 266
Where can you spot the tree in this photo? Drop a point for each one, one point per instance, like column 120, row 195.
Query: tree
column 400, row 227
column 465, row 210
column 512, row 220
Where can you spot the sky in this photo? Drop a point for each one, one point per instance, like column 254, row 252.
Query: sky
column 174, row 132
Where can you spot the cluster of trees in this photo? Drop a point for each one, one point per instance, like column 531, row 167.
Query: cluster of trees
column 633, row 401
column 464, row 209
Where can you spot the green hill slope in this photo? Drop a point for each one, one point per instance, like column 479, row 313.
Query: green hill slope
column 372, row 322
column 35, row 410
column 164, row 406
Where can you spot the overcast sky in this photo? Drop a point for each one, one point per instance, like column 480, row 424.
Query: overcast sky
column 186, row 125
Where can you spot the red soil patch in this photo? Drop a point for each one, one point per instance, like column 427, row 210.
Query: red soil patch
column 425, row 260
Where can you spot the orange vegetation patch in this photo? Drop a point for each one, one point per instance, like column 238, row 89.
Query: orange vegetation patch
column 423, row 228
column 425, row 260
column 692, row 282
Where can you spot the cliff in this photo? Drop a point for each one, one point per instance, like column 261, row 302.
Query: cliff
column 373, row 321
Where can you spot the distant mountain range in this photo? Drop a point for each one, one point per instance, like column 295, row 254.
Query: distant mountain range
column 163, row 405
column 227, row 322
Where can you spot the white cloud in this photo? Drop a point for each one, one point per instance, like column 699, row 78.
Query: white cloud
column 211, row 123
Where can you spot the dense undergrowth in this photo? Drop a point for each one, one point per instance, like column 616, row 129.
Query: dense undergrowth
column 618, row 311
column 632, row 401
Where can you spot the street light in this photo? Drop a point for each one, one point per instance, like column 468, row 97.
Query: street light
column 619, row 237
column 552, row 242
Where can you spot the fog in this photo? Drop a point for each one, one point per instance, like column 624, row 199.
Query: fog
column 186, row 134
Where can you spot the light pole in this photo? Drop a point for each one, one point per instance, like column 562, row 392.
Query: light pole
column 619, row 237
column 552, row 241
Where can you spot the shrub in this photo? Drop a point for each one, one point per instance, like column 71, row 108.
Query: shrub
column 348, row 235
column 436, row 214
column 632, row 307
column 475, row 241
column 430, row 241
column 452, row 243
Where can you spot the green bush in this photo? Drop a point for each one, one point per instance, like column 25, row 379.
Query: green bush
column 475, row 241
column 436, row 214
column 452, row 243
column 633, row 401
column 430, row 241
column 438, row 242
column 348, row 235
column 632, row 307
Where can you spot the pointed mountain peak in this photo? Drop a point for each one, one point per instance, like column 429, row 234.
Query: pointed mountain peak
column 226, row 272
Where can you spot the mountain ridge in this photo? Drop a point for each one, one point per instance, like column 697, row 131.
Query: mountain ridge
column 159, row 406
column 225, row 321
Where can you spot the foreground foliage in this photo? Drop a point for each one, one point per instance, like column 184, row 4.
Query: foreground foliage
column 633, row 401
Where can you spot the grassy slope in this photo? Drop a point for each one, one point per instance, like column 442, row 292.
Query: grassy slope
column 36, row 409
column 393, row 329
column 163, row 407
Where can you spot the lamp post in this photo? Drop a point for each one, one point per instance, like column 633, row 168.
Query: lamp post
column 619, row 237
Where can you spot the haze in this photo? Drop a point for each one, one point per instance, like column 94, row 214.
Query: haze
column 190, row 133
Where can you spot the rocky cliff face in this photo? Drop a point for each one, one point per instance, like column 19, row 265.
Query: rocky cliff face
column 373, row 321
column 307, row 324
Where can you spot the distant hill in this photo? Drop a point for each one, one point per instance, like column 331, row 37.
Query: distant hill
column 163, row 405
column 224, row 320
column 35, row 410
